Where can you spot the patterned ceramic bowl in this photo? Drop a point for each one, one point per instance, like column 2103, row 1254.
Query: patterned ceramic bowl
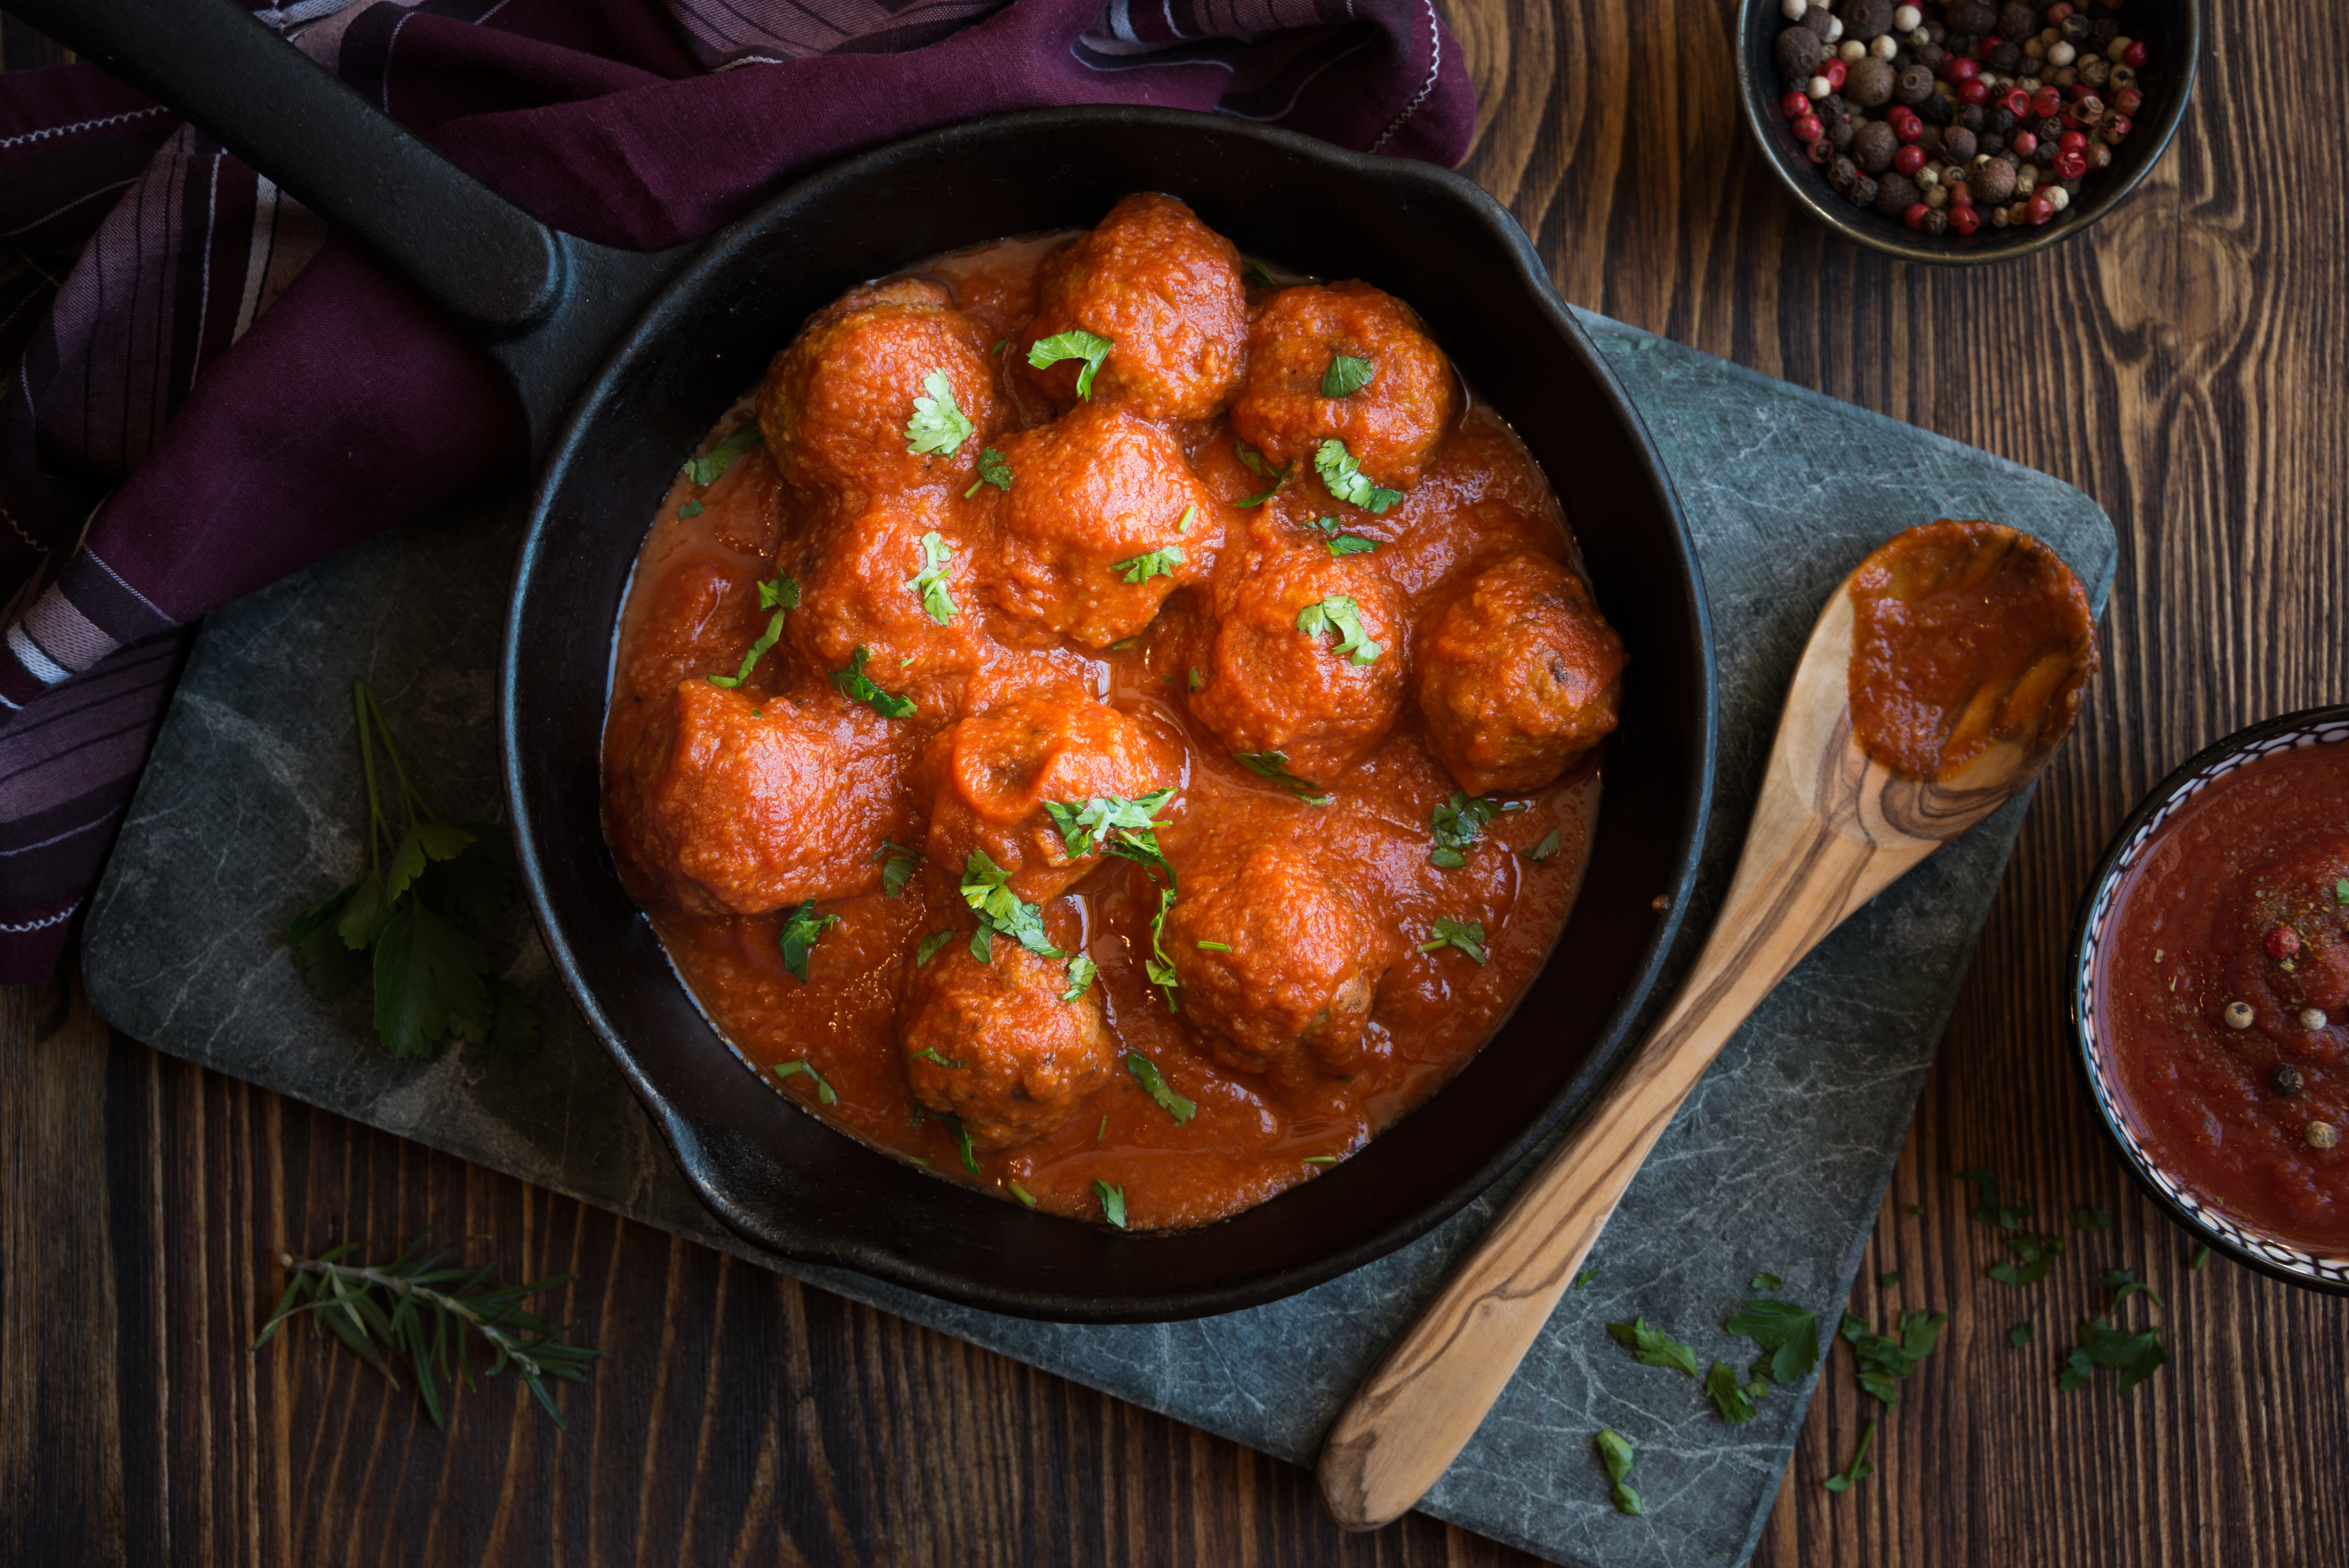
column 2269, row 1254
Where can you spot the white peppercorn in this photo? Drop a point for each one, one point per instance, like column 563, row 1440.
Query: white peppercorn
column 1906, row 18
column 2238, row 1014
column 2062, row 54
column 1793, row 9
column 1885, row 47
column 1852, row 50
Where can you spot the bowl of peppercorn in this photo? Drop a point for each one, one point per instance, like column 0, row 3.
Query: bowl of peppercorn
column 1959, row 132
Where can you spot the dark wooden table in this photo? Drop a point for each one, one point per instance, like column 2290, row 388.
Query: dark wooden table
column 2180, row 364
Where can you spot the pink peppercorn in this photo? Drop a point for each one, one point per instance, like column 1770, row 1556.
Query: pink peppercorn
column 1808, row 129
column 2017, row 102
column 1909, row 160
column 1960, row 70
column 2116, row 126
column 1963, row 218
column 1836, row 72
column 1915, row 217
column 2136, row 54
column 2024, row 143
column 2042, row 208
column 2072, row 141
column 2057, row 12
column 1976, row 91
column 2283, row 942
column 1794, row 106
column 2072, row 166
column 2129, row 100
column 1990, row 41
column 2045, row 101
column 1822, row 149
column 1909, row 128
column 1961, row 195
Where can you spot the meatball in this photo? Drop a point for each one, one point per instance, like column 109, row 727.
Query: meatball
column 1165, row 290
column 1390, row 425
column 732, row 805
column 993, row 1043
column 880, row 579
column 1519, row 674
column 1295, row 989
column 987, row 778
column 837, row 401
column 1285, row 670
column 1099, row 497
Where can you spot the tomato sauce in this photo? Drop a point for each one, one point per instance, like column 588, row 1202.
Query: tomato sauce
column 2222, row 994
column 692, row 610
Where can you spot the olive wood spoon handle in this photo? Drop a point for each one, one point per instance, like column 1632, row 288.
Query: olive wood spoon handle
column 1831, row 829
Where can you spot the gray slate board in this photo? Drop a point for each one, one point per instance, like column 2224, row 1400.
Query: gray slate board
column 250, row 811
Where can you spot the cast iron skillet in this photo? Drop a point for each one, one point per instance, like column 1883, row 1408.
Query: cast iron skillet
column 677, row 336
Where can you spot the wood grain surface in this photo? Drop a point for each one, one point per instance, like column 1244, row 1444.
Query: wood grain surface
column 2179, row 363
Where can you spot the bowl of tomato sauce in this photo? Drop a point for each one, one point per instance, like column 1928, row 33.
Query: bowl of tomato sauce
column 2211, row 996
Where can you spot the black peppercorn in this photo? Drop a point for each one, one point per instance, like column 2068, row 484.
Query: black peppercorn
column 1975, row 17
column 1842, row 131
column 2101, row 34
column 1957, row 145
column 1842, row 172
column 2017, row 20
column 1934, row 221
column 1914, row 86
column 2003, row 57
column 1930, row 139
column 1866, row 20
column 1862, row 192
column 1895, row 195
column 1931, row 55
column 1874, row 147
column 1962, row 43
column 1990, row 144
column 2074, row 28
column 2043, row 155
column 1796, row 54
column 2050, row 130
column 2286, row 1080
column 1936, row 32
column 2000, row 119
column 1968, row 115
column 1936, row 110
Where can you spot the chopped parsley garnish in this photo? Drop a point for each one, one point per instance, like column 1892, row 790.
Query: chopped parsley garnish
column 938, row 426
column 2035, row 1252
column 1104, row 1128
column 1343, row 543
column 1582, row 1281
column 799, row 937
column 1341, row 615
column 2086, row 1219
column 1149, row 563
column 1112, row 1202
column 992, row 470
column 1253, row 461
column 1160, row 968
column 1197, row 679
column 690, row 509
column 1274, row 765
column 897, row 864
column 823, row 1090
column 997, row 346
column 782, row 597
column 986, row 888
column 2019, row 1334
column 2201, row 1256
column 857, row 687
column 929, row 1055
column 2135, row 1356
column 1653, row 1347
column 931, row 582
column 2123, row 1283
column 1886, row 1281
column 1766, row 1282
column 1468, row 936
column 1987, row 1208
column 1787, row 1334
column 1081, row 972
column 1544, row 849
column 928, row 949
column 707, row 470
column 1734, row 1399
column 1459, row 823
column 1861, row 1468
column 1347, row 482
column 1883, row 1360
column 1074, row 343
column 1145, row 1073
column 1615, row 1453
column 1346, row 375
column 1027, row 1199
column 1320, row 1159
column 2341, row 890
column 1255, row 275
column 962, row 1144
column 1122, row 825
column 1208, row 946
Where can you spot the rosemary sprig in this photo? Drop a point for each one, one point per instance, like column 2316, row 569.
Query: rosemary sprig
column 403, row 1310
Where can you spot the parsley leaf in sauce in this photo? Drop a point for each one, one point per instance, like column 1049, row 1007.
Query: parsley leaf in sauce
column 1468, row 936
column 1860, row 1470
column 799, row 937
column 1274, row 765
column 690, row 509
column 1074, row 343
column 1197, row 679
column 707, row 469
column 962, row 1143
column 897, row 865
column 992, row 470
column 1149, row 563
column 1343, row 543
column 1343, row 475
column 1459, row 823
column 1081, row 822
column 929, row 1055
column 928, row 946
column 1320, row 1159
column 938, row 426
column 1653, row 1347
column 780, row 595
column 986, row 888
column 1145, row 1073
column 1615, row 1453
column 1256, row 275
column 1112, row 1202
column 1341, row 615
column 1207, row 947
column 1346, row 375
column 1027, row 1199
column 1081, row 972
column 1161, row 968
column 1544, row 849
column 931, row 582
column 1253, row 461
column 823, row 1090
column 1787, row 1333
column 857, row 687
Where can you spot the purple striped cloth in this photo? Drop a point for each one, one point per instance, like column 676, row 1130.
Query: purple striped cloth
column 211, row 391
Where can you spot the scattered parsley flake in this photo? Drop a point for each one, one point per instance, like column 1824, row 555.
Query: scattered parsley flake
column 708, row 469
column 1000, row 342
column 2086, row 1219
column 1459, row 822
column 938, row 427
column 1104, row 1128
column 1987, row 1208
column 1787, row 1334
column 790, row 1069
column 1112, row 1202
column 1346, row 375
column 1027, row 1199
column 1734, row 1399
column 1197, row 679
column 799, row 936
column 1544, row 849
column 1887, row 1280
column 1160, row 968
column 930, row 583
column 1583, row 1279
column 1883, row 1360
column 1341, row 615
column 930, row 1054
column 2035, row 1252
column 1859, row 1469
column 1183, row 523
column 2123, row 1283
column 962, row 1144
column 2135, row 1356
column 1468, row 936
column 1274, row 765
column 2201, row 1256
column 690, row 509
column 1344, row 477
column 897, row 865
column 1253, row 461
column 1653, row 1347
column 928, row 946
column 1074, row 343
column 2341, row 890
column 1766, row 1282
column 1149, row 563
column 986, row 888
column 992, row 470
column 1081, row 972
column 1320, row 1159
column 1145, row 1073
column 1118, row 824
column 857, row 687
column 2019, row 1334
column 781, row 595
column 1255, row 274
column 1342, row 543
column 1615, row 1453
column 1207, row 947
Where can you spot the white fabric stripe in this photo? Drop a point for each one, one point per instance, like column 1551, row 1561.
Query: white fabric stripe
column 45, row 670
column 57, row 624
column 256, row 252
column 46, row 921
column 204, row 292
column 43, row 135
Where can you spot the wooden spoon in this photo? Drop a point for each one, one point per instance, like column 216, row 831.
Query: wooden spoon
column 1832, row 828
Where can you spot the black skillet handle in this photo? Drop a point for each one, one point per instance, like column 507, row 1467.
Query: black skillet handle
column 543, row 303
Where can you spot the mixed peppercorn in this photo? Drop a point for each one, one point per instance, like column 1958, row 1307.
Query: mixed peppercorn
column 1977, row 114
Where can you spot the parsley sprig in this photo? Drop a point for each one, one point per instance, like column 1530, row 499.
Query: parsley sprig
column 1341, row 615
column 432, row 981
column 992, row 470
column 1112, row 1202
column 781, row 595
column 1468, row 936
column 897, row 864
column 1860, row 1470
column 1254, row 461
column 938, row 427
column 1459, row 822
column 1342, row 544
column 1075, row 344
column 709, row 468
column 785, row 1072
column 1544, row 849
column 1119, row 826
column 1159, row 562
column 1159, row 967
column 986, row 888
column 1653, row 1347
column 857, row 687
column 2135, row 1356
column 1884, row 1360
column 799, row 936
column 1346, row 375
column 1274, row 765
column 1343, row 475
column 1145, row 1073
column 929, row 584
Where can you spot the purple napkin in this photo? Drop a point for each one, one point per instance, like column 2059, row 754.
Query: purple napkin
column 221, row 392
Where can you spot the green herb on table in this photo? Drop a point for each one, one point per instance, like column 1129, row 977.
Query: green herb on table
column 1468, row 936
column 708, row 469
column 1254, row 461
column 1987, row 1208
column 1344, row 475
column 929, row 584
column 1544, row 849
column 786, row 1071
column 425, row 881
column 1460, row 822
column 1082, row 972
column 2035, row 1252
column 1788, row 1335
column 1346, row 375
column 799, row 936
column 857, row 687
column 1112, row 1202
column 2086, row 1219
column 986, row 888
column 1734, row 1399
column 938, row 427
column 1149, row 563
column 1274, row 765
column 1145, row 1073
column 1917, row 1209
column 781, row 595
column 1615, row 1453
column 1766, row 1282
column 993, row 469
column 1582, row 1280
column 2201, row 1256
column 2135, row 1356
column 1890, row 1278
column 2019, row 1334
column 1653, row 1347
column 1859, row 1469
column 1076, row 344
column 1884, row 1360
column 2123, row 1283
column 1342, row 616
column 423, row 1311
